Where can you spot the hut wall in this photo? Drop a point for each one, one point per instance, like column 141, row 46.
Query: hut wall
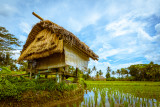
column 71, row 56
column 52, row 61
column 75, row 57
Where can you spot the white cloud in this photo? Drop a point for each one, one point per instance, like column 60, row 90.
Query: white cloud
column 16, row 54
column 22, row 38
column 157, row 28
column 125, row 65
column 124, row 26
column 153, row 57
column 7, row 10
column 25, row 27
column 107, row 53
column 77, row 24
column 143, row 36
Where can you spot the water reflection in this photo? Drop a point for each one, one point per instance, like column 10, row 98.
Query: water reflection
column 112, row 97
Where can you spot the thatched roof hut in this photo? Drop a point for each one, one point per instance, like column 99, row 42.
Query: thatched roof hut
column 53, row 46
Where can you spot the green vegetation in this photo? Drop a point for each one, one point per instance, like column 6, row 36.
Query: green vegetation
column 14, row 86
column 8, row 42
column 122, row 83
column 129, row 94
column 139, row 72
column 4, row 71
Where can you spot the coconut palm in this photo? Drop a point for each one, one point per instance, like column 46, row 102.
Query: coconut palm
column 113, row 73
column 118, row 72
column 100, row 72
column 94, row 69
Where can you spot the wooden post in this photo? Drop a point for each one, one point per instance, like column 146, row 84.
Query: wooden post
column 30, row 76
column 63, row 74
column 37, row 74
column 57, row 75
column 76, row 72
column 76, row 76
column 60, row 76
column 46, row 75
column 37, row 16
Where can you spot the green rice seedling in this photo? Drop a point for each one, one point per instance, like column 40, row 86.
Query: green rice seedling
column 131, row 100
column 152, row 102
column 121, row 100
column 100, row 104
column 89, row 102
column 125, row 104
column 92, row 101
column 143, row 103
column 95, row 96
column 157, row 103
column 74, row 105
column 86, row 101
column 148, row 102
column 112, row 102
column 137, row 104
column 103, row 96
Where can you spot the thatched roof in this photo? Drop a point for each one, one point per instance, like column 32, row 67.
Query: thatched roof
column 47, row 38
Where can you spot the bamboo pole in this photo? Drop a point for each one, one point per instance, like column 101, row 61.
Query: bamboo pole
column 36, row 15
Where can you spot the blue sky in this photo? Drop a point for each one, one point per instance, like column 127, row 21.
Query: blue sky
column 121, row 32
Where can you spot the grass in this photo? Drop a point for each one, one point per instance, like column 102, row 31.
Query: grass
column 123, row 83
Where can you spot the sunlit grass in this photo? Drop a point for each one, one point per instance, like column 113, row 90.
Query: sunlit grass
column 123, row 83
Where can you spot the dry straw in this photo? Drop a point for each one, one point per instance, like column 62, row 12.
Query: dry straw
column 47, row 38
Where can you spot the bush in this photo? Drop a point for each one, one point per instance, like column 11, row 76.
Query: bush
column 13, row 86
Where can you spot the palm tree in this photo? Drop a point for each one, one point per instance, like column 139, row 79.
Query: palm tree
column 97, row 75
column 118, row 72
column 94, row 69
column 113, row 73
column 100, row 72
column 89, row 72
column 108, row 69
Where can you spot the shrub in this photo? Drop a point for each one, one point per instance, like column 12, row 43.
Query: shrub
column 13, row 86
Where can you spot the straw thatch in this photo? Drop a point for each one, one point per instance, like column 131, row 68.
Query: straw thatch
column 47, row 38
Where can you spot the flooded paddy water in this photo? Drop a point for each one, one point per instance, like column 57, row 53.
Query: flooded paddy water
column 117, row 96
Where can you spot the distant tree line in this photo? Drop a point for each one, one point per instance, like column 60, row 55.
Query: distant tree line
column 144, row 72
column 138, row 72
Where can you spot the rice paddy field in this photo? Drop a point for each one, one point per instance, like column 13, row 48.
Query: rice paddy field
column 119, row 94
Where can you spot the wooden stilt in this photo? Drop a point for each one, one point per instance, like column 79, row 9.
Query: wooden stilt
column 46, row 75
column 30, row 76
column 76, row 72
column 57, row 76
column 59, row 73
column 76, row 76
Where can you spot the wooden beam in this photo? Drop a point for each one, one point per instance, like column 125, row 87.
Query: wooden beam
column 19, row 75
column 37, row 16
